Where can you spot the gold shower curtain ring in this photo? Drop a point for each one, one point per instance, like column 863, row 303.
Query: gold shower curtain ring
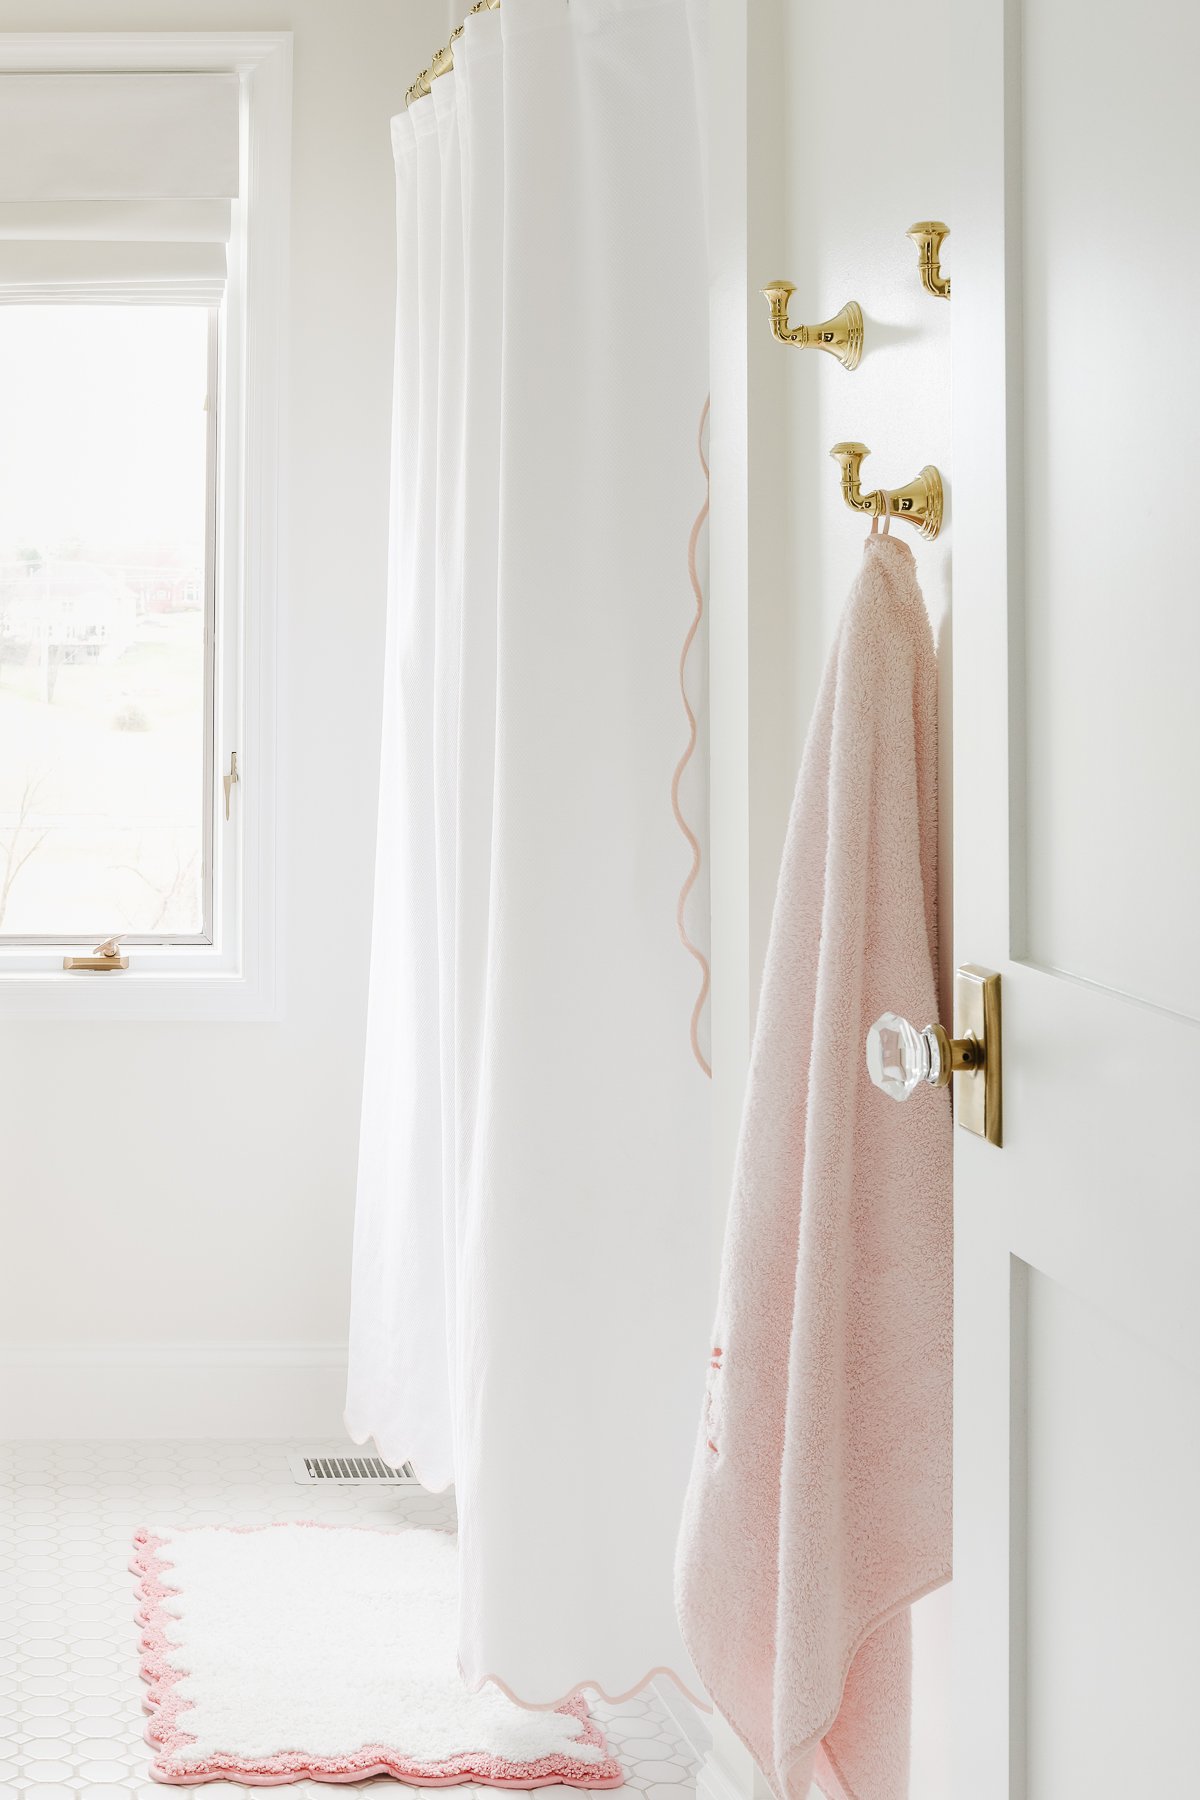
column 842, row 335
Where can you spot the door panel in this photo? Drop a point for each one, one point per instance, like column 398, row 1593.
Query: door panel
column 1112, row 1556
column 1077, row 875
column 1112, row 635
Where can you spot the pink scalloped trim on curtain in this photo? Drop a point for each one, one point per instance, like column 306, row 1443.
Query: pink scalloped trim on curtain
column 685, row 759
column 166, row 1734
column 565, row 1704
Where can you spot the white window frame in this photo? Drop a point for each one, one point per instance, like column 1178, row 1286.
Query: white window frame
column 236, row 976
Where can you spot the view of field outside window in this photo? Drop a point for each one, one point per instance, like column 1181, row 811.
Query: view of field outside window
column 103, row 660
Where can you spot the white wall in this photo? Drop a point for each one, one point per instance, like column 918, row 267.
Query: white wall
column 184, row 1193
column 823, row 150
column 865, row 156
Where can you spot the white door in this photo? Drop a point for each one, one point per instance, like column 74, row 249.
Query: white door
column 1075, row 261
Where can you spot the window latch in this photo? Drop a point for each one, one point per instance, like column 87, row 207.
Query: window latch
column 105, row 959
column 229, row 780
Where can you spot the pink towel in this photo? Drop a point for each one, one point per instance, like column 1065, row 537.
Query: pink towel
column 819, row 1504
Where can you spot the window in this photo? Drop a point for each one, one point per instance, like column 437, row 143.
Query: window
column 144, row 186
column 108, row 436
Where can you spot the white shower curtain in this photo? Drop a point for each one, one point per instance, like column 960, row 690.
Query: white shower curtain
column 532, row 1281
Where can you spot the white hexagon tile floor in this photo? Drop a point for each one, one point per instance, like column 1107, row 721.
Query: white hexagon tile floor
column 71, row 1719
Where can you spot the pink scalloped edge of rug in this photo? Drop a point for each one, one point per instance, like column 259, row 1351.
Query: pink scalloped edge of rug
column 166, row 1733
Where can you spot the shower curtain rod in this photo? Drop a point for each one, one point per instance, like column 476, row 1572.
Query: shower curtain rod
column 443, row 60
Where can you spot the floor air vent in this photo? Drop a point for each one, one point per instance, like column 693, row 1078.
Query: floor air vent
column 372, row 1470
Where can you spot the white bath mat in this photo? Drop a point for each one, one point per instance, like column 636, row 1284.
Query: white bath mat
column 289, row 1652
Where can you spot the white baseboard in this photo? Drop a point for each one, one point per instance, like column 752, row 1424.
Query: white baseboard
column 728, row 1771
column 172, row 1390
column 714, row 1782
column 693, row 1726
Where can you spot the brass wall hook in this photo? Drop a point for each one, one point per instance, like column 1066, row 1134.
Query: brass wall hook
column 919, row 502
column 928, row 236
column 842, row 335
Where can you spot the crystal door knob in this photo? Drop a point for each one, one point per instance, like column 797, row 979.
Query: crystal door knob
column 901, row 1058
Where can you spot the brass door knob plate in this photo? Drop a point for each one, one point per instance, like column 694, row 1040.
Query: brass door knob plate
column 901, row 1058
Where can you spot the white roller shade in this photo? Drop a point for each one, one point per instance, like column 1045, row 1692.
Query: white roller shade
column 39, row 274
column 116, row 187
column 118, row 137
column 116, row 221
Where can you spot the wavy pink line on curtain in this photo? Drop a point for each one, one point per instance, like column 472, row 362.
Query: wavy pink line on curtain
column 579, row 1691
column 685, row 759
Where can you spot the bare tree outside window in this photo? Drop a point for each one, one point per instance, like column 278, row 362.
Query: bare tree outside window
column 20, row 843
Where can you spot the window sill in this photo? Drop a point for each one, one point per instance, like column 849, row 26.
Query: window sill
column 151, row 994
